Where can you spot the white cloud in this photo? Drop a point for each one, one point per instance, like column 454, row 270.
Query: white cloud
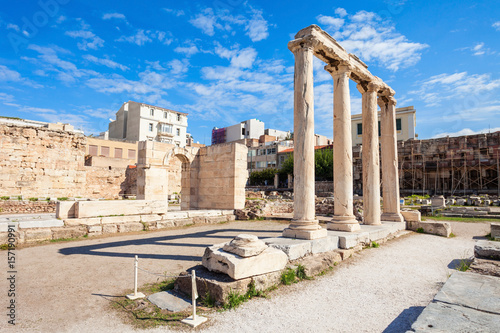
column 245, row 58
column 466, row 131
column 443, row 87
column 372, row 39
column 7, row 74
column 142, row 37
column 178, row 67
column 117, row 16
column 6, row 98
column 106, row 62
column 188, row 50
column 61, row 19
column 176, row 12
column 15, row 27
column 88, row 39
column 206, row 21
column 257, row 27
column 478, row 49
column 496, row 25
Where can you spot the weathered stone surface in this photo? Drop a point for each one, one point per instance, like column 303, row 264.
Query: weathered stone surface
column 293, row 248
column 495, row 230
column 130, row 227
column 37, row 235
column 112, row 207
column 89, row 221
column 165, row 224
column 175, row 215
column 150, row 218
column 317, row 263
column 217, row 260
column 487, row 249
column 183, row 222
column 68, row 232
column 65, row 209
column 431, row 227
column 166, row 300
column 47, row 223
column 94, row 230
column 245, row 245
column 109, row 229
column 120, row 219
column 485, row 267
column 411, row 215
column 215, row 219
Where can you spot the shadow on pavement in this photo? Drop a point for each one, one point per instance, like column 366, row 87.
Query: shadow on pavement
column 102, row 249
column 403, row 322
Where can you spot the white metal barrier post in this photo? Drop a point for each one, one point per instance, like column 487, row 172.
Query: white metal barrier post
column 136, row 295
column 194, row 320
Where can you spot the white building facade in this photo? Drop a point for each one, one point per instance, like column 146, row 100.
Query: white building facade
column 139, row 121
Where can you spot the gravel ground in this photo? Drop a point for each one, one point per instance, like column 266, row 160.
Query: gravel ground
column 67, row 287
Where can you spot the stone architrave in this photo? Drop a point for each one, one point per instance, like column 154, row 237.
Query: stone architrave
column 388, row 147
column 371, row 167
column 304, row 224
column 343, row 219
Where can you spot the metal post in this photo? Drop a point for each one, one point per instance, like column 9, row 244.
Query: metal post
column 136, row 294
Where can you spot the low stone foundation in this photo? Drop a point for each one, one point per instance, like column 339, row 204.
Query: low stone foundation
column 26, row 207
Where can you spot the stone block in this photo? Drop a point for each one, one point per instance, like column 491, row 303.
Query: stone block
column 434, row 228
column 41, row 224
column 199, row 219
column 321, row 245
column 204, row 213
column 150, row 218
column 293, row 248
column 487, row 249
column 165, row 224
column 183, row 222
column 68, row 232
column 94, row 230
column 217, row 260
column 109, row 229
column 37, row 235
column 90, row 221
column 65, row 209
column 245, row 245
column 150, row 225
column 495, row 230
column 120, row 219
column 231, row 218
column 216, row 219
column 175, row 215
column 114, row 207
column 130, row 227
column 411, row 215
column 166, row 300
column 304, row 234
column 318, row 263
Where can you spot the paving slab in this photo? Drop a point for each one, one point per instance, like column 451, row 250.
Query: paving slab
column 368, row 233
column 472, row 290
column 166, row 300
column 487, row 249
column 442, row 317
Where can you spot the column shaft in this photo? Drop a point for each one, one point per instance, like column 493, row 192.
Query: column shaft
column 343, row 218
column 304, row 224
column 371, row 167
column 390, row 178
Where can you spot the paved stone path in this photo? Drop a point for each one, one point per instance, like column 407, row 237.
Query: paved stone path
column 66, row 287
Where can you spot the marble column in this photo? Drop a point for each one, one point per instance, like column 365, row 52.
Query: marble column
column 370, row 157
column 388, row 143
column 304, row 224
column 343, row 219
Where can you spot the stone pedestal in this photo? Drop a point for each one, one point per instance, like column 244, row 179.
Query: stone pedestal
column 371, row 167
column 388, row 147
column 343, row 218
column 304, row 225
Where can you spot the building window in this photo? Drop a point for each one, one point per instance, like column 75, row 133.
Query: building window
column 282, row 159
column 178, row 131
column 151, row 112
column 93, row 150
column 165, row 115
column 271, row 151
column 151, row 127
column 105, row 151
column 178, row 117
column 164, row 128
column 118, row 153
column 243, row 131
column 261, row 152
column 252, row 152
column 131, row 154
column 379, row 128
column 398, row 124
column 360, row 129
column 260, row 165
column 271, row 164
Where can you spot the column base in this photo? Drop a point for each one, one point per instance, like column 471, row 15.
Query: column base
column 392, row 217
column 338, row 226
column 305, row 234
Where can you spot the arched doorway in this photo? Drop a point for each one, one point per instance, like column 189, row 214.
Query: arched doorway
column 178, row 163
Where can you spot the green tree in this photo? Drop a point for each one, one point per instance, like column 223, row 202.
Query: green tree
column 323, row 164
column 287, row 166
column 260, row 177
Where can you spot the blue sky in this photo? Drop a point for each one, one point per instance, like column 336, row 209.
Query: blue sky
column 225, row 61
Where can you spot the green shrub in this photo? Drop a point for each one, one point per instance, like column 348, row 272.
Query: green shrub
column 420, row 230
column 288, row 276
column 33, row 199
column 375, row 244
column 5, row 198
column 62, row 199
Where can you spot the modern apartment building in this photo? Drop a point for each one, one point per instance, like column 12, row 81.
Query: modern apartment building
column 139, row 121
column 248, row 129
column 405, row 125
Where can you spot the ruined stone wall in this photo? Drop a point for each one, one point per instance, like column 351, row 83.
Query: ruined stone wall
column 37, row 162
column 26, row 207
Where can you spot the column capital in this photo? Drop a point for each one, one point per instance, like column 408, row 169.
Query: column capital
column 306, row 43
column 342, row 68
column 371, row 86
column 392, row 101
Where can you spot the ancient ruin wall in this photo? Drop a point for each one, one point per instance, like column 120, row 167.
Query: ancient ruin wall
column 37, row 162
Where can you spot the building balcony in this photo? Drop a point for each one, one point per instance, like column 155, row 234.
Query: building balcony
column 166, row 134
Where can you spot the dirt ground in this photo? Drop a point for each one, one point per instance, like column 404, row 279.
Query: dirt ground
column 67, row 287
